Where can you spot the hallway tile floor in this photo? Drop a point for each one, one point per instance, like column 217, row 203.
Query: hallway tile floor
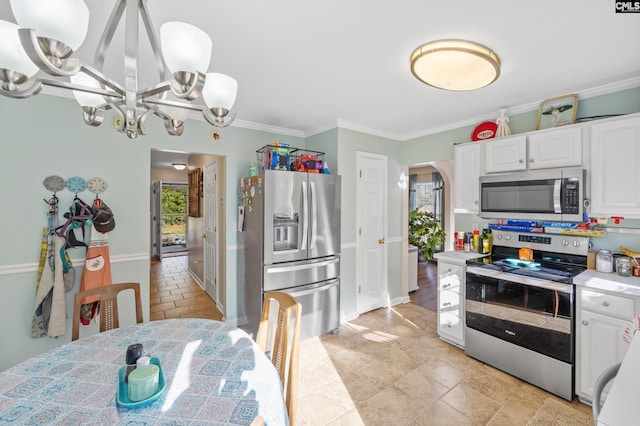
column 387, row 367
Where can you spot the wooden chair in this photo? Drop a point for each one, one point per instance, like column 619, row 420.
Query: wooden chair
column 108, row 295
column 284, row 345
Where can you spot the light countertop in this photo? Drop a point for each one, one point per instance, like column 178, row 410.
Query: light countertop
column 458, row 257
column 608, row 282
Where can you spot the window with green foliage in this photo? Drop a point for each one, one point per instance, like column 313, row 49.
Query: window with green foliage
column 174, row 208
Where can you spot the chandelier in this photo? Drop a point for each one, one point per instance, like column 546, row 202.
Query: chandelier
column 48, row 33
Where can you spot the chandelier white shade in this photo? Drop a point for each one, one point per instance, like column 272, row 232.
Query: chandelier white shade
column 12, row 54
column 65, row 21
column 86, row 99
column 49, row 32
column 220, row 91
column 455, row 65
column 185, row 47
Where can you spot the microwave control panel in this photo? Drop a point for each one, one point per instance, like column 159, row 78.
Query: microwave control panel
column 571, row 193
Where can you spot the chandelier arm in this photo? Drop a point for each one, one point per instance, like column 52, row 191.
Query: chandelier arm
column 163, row 69
column 158, row 89
column 103, row 79
column 81, row 88
column 93, row 116
column 107, row 35
column 33, row 88
column 174, row 104
column 218, row 121
column 192, row 87
column 29, row 41
column 131, row 66
column 173, row 127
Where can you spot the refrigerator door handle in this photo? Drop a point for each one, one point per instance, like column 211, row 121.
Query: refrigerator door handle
column 305, row 216
column 313, row 212
column 280, row 269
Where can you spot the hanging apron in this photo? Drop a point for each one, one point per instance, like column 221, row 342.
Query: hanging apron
column 97, row 272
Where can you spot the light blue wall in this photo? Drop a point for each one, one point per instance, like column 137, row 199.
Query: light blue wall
column 349, row 143
column 46, row 136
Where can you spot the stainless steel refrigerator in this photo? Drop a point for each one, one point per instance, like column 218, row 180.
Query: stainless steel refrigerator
column 289, row 241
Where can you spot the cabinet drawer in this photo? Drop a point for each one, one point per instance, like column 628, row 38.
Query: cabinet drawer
column 449, row 301
column 450, row 325
column 450, row 276
column 607, row 304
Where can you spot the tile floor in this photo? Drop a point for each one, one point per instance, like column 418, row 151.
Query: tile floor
column 387, row 367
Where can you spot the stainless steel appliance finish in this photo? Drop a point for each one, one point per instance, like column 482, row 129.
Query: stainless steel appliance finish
column 553, row 194
column 291, row 243
column 520, row 315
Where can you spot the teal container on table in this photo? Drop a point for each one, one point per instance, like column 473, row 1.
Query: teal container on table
column 143, row 382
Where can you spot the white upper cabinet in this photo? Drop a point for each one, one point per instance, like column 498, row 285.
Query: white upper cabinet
column 505, row 154
column 615, row 168
column 541, row 150
column 555, row 148
column 466, row 177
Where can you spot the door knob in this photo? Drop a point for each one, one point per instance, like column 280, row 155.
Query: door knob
column 381, row 241
column 204, row 236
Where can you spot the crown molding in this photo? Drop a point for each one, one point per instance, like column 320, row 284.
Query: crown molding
column 604, row 89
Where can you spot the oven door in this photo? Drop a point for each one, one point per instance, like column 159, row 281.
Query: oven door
column 531, row 313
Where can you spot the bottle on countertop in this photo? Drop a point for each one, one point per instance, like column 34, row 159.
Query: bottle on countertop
column 467, row 243
column 476, row 239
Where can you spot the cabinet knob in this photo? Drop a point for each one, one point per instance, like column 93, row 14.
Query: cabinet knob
column 446, row 286
column 531, row 160
column 521, row 161
column 605, row 303
column 476, row 201
column 446, row 304
column 585, row 322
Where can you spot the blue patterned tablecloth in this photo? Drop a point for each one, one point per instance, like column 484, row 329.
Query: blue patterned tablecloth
column 215, row 375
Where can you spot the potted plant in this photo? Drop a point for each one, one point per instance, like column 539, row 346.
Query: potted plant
column 425, row 232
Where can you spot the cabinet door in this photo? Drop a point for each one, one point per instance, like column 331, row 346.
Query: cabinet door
column 506, row 154
column 451, row 302
column 555, row 148
column 600, row 346
column 615, row 175
column 466, row 177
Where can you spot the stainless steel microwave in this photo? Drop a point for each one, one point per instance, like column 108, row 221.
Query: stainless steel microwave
column 553, row 194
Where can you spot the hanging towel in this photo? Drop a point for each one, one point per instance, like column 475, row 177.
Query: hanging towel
column 97, row 272
column 50, row 316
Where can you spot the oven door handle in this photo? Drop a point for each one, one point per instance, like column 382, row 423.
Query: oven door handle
column 557, row 189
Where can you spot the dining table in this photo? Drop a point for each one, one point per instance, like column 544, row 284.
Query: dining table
column 212, row 373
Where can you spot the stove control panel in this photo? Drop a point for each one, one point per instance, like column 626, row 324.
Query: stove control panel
column 538, row 239
column 548, row 242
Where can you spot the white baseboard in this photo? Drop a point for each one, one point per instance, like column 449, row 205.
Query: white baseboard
column 399, row 300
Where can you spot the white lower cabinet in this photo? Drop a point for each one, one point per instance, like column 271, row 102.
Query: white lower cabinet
column 600, row 322
column 451, row 302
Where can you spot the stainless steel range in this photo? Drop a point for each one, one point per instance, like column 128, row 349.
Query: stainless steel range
column 520, row 313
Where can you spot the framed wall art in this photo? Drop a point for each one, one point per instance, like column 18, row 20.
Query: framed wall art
column 194, row 192
column 557, row 112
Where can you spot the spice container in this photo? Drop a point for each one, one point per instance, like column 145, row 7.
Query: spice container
column 623, row 266
column 604, row 261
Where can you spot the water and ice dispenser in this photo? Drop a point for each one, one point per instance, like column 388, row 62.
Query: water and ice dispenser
column 285, row 231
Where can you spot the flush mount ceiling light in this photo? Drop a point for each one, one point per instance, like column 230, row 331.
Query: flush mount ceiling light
column 48, row 33
column 179, row 166
column 455, row 65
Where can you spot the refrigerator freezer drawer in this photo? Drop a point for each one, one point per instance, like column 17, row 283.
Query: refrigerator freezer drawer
column 296, row 274
column 320, row 307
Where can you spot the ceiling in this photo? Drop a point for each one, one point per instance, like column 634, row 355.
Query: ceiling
column 306, row 66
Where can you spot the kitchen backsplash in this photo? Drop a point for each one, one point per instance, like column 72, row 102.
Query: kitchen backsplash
column 613, row 240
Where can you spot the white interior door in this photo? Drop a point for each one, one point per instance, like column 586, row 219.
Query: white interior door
column 371, row 256
column 156, row 219
column 211, row 230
